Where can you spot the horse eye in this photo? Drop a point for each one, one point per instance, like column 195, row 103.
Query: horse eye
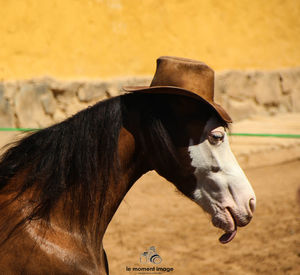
column 215, row 137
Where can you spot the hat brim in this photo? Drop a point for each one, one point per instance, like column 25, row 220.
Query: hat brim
column 178, row 91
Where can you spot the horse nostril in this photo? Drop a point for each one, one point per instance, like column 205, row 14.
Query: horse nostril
column 252, row 205
column 215, row 169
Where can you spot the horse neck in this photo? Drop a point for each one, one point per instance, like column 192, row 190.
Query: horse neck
column 132, row 165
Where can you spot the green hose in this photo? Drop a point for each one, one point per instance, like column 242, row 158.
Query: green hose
column 231, row 134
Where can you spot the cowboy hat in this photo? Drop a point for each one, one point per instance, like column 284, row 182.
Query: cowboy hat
column 182, row 76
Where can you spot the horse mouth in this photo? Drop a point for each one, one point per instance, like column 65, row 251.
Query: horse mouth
column 229, row 236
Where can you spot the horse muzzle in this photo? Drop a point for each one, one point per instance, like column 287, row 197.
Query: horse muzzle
column 229, row 218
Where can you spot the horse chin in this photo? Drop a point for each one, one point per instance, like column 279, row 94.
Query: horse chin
column 227, row 222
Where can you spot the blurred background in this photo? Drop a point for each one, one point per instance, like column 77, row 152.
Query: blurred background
column 107, row 38
column 58, row 57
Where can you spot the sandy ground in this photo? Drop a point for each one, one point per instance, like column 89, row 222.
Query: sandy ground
column 154, row 214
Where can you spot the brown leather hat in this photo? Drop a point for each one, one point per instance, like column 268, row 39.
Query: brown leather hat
column 182, row 76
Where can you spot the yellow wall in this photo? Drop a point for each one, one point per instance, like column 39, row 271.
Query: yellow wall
column 105, row 38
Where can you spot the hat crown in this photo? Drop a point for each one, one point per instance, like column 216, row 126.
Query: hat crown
column 185, row 77
column 188, row 74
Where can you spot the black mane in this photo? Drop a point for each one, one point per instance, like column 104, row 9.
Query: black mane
column 70, row 156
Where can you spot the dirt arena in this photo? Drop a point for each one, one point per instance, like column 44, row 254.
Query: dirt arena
column 154, row 214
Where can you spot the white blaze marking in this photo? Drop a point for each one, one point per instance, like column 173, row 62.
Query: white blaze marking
column 221, row 182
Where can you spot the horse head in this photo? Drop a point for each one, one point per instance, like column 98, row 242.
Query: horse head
column 193, row 152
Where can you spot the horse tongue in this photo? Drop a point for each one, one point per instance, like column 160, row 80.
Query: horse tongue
column 227, row 237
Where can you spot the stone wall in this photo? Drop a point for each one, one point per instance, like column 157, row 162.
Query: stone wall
column 44, row 101
column 248, row 93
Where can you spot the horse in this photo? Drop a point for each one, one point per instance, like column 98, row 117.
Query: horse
column 60, row 186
